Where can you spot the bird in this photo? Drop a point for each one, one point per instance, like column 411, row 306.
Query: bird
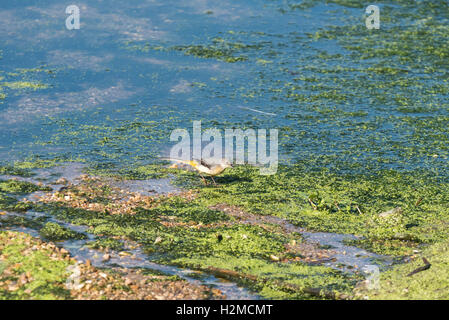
column 211, row 167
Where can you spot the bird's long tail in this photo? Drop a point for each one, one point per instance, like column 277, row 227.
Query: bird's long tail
column 188, row 162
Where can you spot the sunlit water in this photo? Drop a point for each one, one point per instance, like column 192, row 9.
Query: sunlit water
column 112, row 92
column 116, row 88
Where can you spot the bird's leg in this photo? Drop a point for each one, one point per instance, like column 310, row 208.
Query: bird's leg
column 204, row 180
column 213, row 180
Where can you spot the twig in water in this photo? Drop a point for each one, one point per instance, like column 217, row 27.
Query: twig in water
column 418, row 202
column 336, row 204
column 426, row 266
column 313, row 204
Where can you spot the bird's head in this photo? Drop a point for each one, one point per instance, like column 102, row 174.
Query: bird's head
column 226, row 164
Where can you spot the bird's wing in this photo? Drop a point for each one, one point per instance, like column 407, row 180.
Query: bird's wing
column 205, row 164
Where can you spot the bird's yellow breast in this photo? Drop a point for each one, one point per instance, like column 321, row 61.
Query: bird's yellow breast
column 193, row 164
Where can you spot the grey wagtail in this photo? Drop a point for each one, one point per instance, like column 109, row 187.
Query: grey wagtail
column 211, row 167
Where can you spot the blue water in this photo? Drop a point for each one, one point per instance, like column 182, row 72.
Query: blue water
column 116, row 88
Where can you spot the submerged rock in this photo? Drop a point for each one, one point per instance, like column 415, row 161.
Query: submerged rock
column 391, row 212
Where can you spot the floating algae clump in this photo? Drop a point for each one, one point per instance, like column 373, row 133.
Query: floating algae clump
column 106, row 243
column 6, row 202
column 15, row 186
column 24, row 85
column 54, row 232
column 12, row 170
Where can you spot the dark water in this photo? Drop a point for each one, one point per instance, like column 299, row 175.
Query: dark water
column 341, row 95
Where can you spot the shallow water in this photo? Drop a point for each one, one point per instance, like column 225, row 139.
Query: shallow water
column 342, row 257
column 134, row 258
column 117, row 87
column 110, row 93
column 348, row 258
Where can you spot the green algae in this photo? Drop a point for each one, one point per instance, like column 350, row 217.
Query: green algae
column 210, row 52
column 21, row 221
column 48, row 275
column 188, row 211
column 431, row 284
column 14, row 171
column 219, row 49
column 35, row 162
column 343, row 204
column 24, row 85
column 273, row 279
column 16, row 186
column 6, row 202
column 23, row 80
column 106, row 244
column 397, row 69
column 8, row 188
column 54, row 232
column 201, row 247
column 150, row 171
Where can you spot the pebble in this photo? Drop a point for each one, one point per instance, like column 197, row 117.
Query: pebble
column 274, row 258
column 158, row 239
column 391, row 212
column 61, row 181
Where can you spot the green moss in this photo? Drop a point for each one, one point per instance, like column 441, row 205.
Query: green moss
column 13, row 221
column 274, row 278
column 210, row 239
column 7, row 202
column 106, row 243
column 211, row 52
column 47, row 275
column 430, row 284
column 22, row 207
column 15, row 186
column 37, row 162
column 54, row 232
column 24, row 85
column 14, row 171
